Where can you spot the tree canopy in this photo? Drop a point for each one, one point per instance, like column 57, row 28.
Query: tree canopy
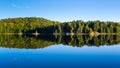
column 41, row 25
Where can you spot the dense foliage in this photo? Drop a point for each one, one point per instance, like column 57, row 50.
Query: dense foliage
column 17, row 25
column 41, row 25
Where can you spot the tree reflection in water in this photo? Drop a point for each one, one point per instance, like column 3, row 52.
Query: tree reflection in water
column 42, row 41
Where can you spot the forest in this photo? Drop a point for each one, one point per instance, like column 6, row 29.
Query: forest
column 42, row 25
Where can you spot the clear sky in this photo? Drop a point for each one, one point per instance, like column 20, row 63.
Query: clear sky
column 62, row 10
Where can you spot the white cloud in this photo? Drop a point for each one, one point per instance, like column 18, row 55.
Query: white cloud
column 27, row 7
column 14, row 5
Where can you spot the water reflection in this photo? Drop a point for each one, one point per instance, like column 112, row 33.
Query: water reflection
column 42, row 41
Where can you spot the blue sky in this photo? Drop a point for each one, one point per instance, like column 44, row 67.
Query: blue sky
column 62, row 10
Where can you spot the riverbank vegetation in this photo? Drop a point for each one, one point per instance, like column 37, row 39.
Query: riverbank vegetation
column 41, row 25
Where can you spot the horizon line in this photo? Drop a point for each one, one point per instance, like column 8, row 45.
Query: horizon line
column 57, row 20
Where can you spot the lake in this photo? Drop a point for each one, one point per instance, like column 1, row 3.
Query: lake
column 48, row 51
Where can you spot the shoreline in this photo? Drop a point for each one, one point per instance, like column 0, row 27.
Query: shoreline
column 91, row 34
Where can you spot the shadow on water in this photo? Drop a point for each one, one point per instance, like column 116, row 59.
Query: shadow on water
column 42, row 41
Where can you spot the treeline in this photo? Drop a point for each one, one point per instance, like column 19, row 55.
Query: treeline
column 42, row 41
column 82, row 27
column 18, row 25
column 41, row 25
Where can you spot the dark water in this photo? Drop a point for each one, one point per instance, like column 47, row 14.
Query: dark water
column 48, row 51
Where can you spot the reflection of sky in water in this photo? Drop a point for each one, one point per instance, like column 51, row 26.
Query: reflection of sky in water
column 61, row 56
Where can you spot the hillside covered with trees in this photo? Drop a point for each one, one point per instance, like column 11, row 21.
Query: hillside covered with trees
column 41, row 25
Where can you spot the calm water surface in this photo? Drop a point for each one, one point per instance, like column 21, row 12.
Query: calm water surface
column 62, row 55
